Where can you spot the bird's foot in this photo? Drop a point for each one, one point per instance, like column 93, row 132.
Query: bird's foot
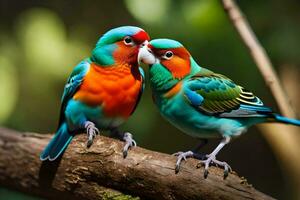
column 211, row 160
column 183, row 156
column 129, row 142
column 91, row 131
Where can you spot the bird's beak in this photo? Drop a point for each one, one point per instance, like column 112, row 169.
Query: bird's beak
column 145, row 54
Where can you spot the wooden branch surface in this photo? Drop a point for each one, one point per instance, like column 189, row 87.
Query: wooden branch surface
column 100, row 172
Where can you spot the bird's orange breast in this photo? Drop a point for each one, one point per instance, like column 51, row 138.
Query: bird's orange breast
column 116, row 89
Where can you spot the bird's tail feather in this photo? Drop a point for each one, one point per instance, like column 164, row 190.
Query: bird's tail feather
column 58, row 144
column 286, row 120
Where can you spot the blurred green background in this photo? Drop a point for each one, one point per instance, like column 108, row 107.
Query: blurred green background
column 41, row 41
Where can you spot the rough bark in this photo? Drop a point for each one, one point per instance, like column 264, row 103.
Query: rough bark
column 100, row 172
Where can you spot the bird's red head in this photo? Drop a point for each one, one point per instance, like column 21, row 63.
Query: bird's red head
column 128, row 48
column 119, row 46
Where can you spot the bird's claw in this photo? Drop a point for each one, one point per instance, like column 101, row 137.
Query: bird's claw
column 206, row 173
column 182, row 156
column 129, row 142
column 226, row 171
column 91, row 131
column 212, row 160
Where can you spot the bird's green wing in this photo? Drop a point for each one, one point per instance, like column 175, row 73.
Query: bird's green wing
column 72, row 85
column 215, row 94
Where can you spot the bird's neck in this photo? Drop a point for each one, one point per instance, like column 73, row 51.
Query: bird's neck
column 164, row 86
column 195, row 68
column 103, row 55
column 162, row 81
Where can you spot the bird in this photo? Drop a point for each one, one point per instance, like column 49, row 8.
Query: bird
column 102, row 91
column 201, row 103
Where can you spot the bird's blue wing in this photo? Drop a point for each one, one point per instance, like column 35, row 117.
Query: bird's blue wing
column 63, row 136
column 215, row 94
column 72, row 85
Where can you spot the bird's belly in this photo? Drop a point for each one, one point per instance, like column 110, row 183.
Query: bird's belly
column 77, row 113
column 196, row 124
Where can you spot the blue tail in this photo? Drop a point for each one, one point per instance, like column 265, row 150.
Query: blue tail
column 286, row 120
column 57, row 144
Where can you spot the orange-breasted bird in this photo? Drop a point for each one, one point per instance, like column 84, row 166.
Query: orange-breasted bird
column 102, row 91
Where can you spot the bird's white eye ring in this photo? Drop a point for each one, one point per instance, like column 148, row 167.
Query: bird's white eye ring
column 168, row 55
column 128, row 40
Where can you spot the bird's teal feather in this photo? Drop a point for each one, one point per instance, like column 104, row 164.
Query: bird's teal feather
column 221, row 96
column 103, row 55
column 193, row 122
column 143, row 78
column 73, row 83
column 195, row 68
column 165, row 44
column 78, row 112
column 116, row 34
column 142, row 89
column 75, row 80
column 286, row 120
column 160, row 78
column 58, row 143
column 63, row 135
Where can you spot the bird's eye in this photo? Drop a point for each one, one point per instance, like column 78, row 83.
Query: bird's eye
column 128, row 40
column 168, row 55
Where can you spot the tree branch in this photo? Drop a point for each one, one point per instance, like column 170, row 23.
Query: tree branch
column 100, row 172
column 286, row 146
column 259, row 56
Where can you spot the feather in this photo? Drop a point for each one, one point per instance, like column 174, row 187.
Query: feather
column 73, row 83
column 221, row 97
column 58, row 144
